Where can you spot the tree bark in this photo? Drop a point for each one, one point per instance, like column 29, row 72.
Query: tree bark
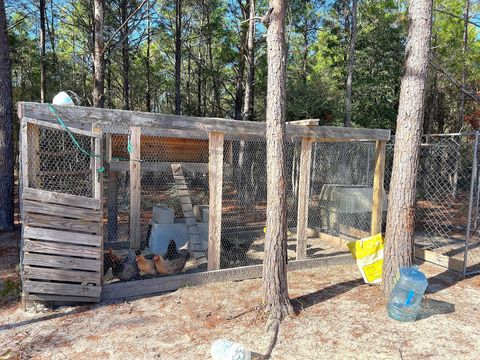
column 275, row 290
column 98, row 56
column 6, row 128
column 249, row 83
column 401, row 207
column 148, row 96
column 347, row 119
column 125, row 57
column 240, row 70
column 178, row 56
column 461, row 114
column 43, row 87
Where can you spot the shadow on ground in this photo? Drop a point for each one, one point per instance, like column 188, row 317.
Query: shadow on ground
column 303, row 302
column 432, row 307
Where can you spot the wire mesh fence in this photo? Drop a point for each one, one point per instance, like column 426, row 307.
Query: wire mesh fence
column 446, row 205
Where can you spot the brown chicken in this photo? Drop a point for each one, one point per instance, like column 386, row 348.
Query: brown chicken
column 173, row 261
column 145, row 266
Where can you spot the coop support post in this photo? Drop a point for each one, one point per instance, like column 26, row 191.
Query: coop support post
column 23, row 184
column 135, row 189
column 303, row 195
column 98, row 180
column 215, row 185
column 33, row 134
column 377, row 201
column 112, row 192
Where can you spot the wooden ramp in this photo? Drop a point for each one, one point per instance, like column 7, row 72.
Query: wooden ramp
column 62, row 247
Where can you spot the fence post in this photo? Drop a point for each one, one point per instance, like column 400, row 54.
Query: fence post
column 33, row 134
column 377, row 201
column 473, row 182
column 135, row 187
column 98, row 181
column 303, row 196
column 215, row 185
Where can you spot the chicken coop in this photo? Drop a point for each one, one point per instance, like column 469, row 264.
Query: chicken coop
column 120, row 203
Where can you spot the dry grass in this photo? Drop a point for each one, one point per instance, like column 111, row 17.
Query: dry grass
column 339, row 318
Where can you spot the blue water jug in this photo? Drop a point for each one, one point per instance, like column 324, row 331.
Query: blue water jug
column 406, row 296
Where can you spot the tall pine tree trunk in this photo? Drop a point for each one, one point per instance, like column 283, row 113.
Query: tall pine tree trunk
column 275, row 290
column 249, row 84
column 178, row 56
column 401, row 205
column 461, row 114
column 240, row 70
column 43, row 86
column 347, row 118
column 147, row 64
column 6, row 129
column 98, row 56
column 125, row 57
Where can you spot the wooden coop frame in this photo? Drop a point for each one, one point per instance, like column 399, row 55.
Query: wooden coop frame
column 98, row 122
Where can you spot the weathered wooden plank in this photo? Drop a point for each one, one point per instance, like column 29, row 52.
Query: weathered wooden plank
column 61, row 210
column 55, row 248
column 439, row 259
column 62, row 236
column 61, row 199
column 215, row 186
column 377, row 203
column 305, row 122
column 135, row 187
column 190, row 123
column 61, row 262
column 303, row 197
column 354, row 232
column 169, row 283
column 39, row 273
column 62, row 289
column 59, row 223
column 57, row 126
column 62, row 299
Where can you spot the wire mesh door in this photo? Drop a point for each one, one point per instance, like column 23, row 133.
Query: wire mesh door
column 61, row 213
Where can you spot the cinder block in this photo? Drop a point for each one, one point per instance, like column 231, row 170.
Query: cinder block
column 163, row 214
column 201, row 213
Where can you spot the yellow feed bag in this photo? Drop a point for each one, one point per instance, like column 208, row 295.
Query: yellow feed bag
column 368, row 253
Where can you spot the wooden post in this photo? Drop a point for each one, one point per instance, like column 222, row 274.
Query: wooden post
column 303, row 195
column 33, row 153
column 135, row 188
column 98, row 181
column 24, row 158
column 112, row 193
column 215, row 182
column 377, row 202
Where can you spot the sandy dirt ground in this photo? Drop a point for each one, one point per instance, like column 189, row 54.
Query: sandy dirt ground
column 339, row 317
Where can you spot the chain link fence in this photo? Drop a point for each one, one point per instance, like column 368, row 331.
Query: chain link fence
column 447, row 197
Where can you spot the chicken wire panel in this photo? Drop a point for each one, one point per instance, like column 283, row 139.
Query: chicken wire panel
column 163, row 201
column 244, row 201
column 59, row 161
column 341, row 191
column 443, row 191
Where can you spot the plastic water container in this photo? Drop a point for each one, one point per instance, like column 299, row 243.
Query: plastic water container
column 228, row 350
column 406, row 296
